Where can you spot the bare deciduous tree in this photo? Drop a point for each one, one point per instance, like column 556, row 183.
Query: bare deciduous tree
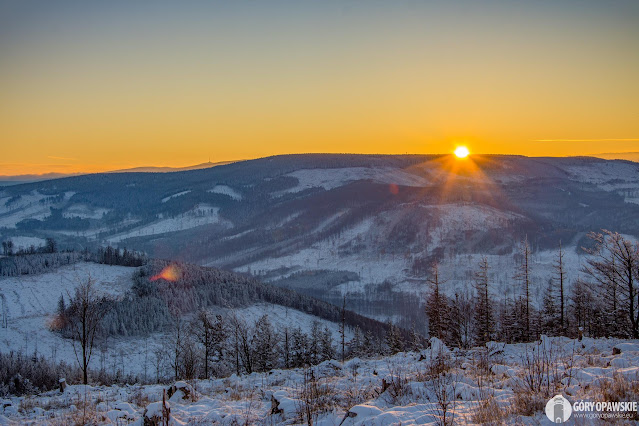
column 84, row 315
column 614, row 266
column 211, row 333
column 242, row 343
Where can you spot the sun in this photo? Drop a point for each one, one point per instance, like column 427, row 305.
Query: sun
column 461, row 152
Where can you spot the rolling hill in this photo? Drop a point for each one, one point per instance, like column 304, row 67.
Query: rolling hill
column 368, row 226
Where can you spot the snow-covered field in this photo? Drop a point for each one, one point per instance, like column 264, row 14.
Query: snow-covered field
column 619, row 177
column 84, row 212
column 455, row 218
column 26, row 207
column 30, row 303
column 482, row 385
column 179, row 194
column 457, row 270
column 281, row 317
column 203, row 214
column 226, row 190
column 333, row 178
column 22, row 242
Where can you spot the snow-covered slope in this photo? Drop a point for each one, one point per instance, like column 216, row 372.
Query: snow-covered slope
column 203, row 214
column 334, row 178
column 30, row 303
column 384, row 218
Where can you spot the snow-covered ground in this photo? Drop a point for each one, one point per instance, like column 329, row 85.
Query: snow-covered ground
column 28, row 206
column 460, row 217
column 22, row 242
column 456, row 270
column 179, row 194
column 226, row 190
column 487, row 385
column 621, row 177
column 84, row 212
column 30, row 303
column 203, row 214
column 281, row 317
column 333, row 178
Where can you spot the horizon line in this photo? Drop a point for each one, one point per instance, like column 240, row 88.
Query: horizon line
column 54, row 175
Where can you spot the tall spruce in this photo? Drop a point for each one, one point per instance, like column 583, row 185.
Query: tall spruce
column 264, row 345
column 436, row 306
column 550, row 322
column 523, row 276
column 356, row 344
column 560, row 276
column 484, row 315
column 342, row 328
column 394, row 341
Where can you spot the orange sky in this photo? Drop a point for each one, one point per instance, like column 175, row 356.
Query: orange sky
column 93, row 87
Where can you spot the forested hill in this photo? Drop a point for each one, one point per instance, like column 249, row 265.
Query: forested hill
column 186, row 288
column 369, row 226
column 162, row 290
column 233, row 215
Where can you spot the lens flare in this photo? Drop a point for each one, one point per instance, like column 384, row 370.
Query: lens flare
column 170, row 273
column 462, row 152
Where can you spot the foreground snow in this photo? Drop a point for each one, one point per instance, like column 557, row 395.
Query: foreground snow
column 479, row 385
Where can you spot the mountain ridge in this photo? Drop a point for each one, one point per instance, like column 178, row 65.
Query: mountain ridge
column 376, row 218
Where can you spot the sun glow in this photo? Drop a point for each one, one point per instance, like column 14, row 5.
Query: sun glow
column 461, row 152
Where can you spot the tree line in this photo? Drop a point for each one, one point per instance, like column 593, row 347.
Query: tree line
column 34, row 260
column 602, row 302
column 217, row 345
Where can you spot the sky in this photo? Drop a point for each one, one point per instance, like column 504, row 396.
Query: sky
column 91, row 86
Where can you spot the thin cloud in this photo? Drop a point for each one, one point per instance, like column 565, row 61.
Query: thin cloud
column 587, row 140
column 53, row 157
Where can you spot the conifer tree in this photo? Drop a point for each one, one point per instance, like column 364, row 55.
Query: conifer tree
column 436, row 306
column 550, row 323
column 61, row 306
column 394, row 341
column 484, row 316
column 560, row 275
column 355, row 346
column 327, row 351
column 342, row 328
column 314, row 343
column 368, row 347
column 415, row 342
column 299, row 348
column 264, row 345
column 523, row 276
